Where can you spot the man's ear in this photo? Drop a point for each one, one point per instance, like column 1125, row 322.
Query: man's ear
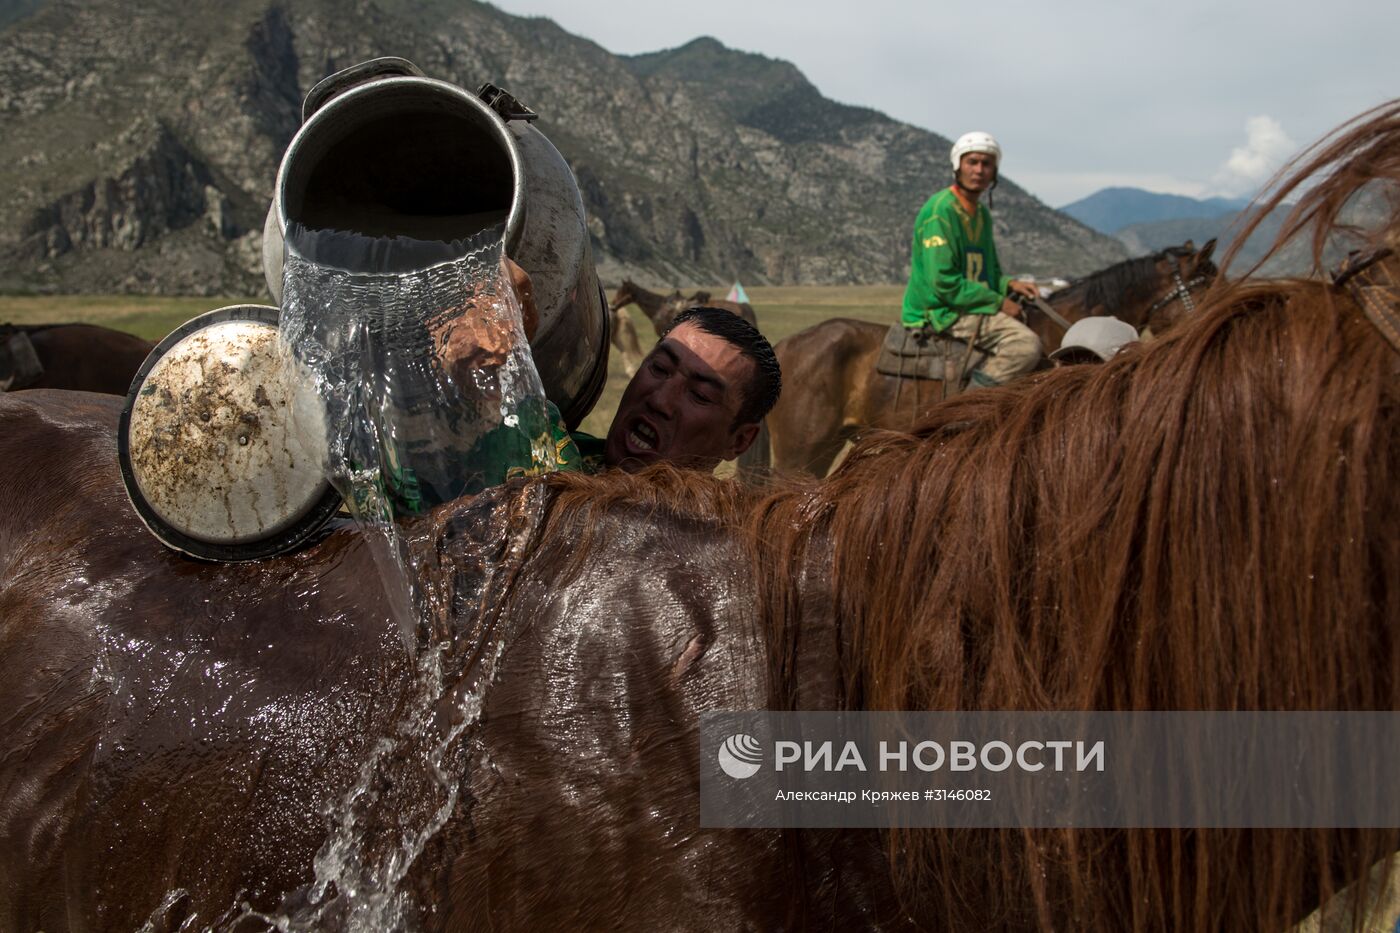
column 743, row 437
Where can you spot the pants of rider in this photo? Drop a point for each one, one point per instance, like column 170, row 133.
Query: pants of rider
column 1014, row 347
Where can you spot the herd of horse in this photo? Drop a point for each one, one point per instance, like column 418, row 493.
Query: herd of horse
column 1205, row 522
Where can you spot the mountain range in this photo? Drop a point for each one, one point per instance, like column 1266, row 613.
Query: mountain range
column 143, row 138
column 1109, row 210
column 1146, row 222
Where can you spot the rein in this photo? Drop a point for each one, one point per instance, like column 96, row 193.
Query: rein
column 1182, row 292
column 1358, row 273
column 1043, row 306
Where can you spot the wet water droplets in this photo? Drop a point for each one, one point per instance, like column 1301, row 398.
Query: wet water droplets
column 430, row 394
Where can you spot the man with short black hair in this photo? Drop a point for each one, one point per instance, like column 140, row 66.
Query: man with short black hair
column 697, row 398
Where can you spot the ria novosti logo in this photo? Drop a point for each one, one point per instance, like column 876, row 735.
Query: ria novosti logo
column 740, row 756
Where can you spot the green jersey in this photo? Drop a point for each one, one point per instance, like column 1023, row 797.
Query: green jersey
column 955, row 269
column 537, row 442
column 586, row 451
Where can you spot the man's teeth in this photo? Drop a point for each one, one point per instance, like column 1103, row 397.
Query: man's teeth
column 637, row 441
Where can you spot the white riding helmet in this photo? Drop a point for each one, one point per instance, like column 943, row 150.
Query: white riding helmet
column 975, row 142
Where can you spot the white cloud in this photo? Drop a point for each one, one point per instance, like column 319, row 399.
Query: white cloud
column 1266, row 148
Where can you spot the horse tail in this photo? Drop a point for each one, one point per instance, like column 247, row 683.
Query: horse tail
column 754, row 463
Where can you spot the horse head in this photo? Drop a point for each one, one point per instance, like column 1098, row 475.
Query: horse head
column 625, row 295
column 1184, row 273
column 1148, row 292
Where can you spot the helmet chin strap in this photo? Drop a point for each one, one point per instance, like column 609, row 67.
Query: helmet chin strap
column 996, row 179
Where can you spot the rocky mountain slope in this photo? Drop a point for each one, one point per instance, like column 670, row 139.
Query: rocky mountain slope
column 142, row 141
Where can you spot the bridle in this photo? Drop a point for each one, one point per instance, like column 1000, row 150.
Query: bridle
column 1373, row 286
column 1182, row 292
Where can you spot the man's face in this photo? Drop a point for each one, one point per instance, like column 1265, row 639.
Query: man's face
column 977, row 172
column 682, row 403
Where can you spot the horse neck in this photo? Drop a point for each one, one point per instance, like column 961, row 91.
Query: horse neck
column 651, row 303
column 1132, row 284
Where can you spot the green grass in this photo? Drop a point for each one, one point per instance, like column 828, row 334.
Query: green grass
column 781, row 311
column 785, row 310
column 150, row 317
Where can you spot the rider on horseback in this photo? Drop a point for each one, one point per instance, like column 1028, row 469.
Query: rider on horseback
column 956, row 286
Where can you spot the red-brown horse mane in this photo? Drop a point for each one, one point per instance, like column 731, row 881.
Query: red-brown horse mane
column 1206, row 523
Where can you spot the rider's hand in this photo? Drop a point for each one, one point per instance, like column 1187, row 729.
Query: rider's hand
column 1025, row 288
column 1009, row 307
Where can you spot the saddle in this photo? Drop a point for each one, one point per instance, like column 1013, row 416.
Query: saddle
column 924, row 354
column 19, row 364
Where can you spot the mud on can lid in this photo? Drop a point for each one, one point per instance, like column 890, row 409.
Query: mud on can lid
column 222, row 440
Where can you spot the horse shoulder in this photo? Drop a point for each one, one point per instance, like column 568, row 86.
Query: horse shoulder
column 53, row 445
column 839, row 338
column 591, row 728
column 235, row 701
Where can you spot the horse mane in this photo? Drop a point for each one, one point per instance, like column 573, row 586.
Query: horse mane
column 1206, row 523
column 1122, row 284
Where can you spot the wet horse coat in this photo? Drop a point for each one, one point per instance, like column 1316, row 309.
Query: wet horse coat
column 176, row 733
column 183, row 727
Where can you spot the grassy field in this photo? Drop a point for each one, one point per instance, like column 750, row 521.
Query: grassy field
column 781, row 311
column 145, row 316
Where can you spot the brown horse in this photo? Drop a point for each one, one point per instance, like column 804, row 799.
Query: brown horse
column 832, row 391
column 1190, row 526
column 69, row 356
column 624, row 339
column 661, row 310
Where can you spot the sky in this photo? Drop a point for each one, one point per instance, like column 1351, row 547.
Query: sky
column 1186, row 97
